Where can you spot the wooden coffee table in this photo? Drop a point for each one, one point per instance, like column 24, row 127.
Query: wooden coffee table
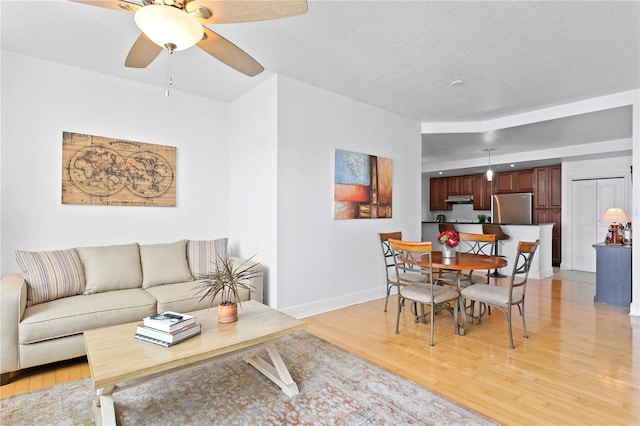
column 119, row 361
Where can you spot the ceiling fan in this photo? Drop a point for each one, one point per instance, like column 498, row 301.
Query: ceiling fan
column 179, row 24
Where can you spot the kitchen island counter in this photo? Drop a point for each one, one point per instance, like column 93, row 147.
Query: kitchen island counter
column 541, row 266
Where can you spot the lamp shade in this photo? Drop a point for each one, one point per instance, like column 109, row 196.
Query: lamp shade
column 615, row 214
column 169, row 26
column 489, row 175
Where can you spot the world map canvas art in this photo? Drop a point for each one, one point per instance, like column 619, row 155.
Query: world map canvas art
column 104, row 171
column 362, row 186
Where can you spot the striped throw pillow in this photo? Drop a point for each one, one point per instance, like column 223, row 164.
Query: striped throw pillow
column 51, row 275
column 202, row 256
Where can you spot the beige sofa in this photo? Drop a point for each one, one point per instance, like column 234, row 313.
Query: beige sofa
column 59, row 294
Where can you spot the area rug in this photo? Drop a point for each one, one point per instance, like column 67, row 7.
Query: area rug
column 336, row 388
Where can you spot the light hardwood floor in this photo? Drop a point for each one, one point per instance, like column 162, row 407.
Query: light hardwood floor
column 580, row 365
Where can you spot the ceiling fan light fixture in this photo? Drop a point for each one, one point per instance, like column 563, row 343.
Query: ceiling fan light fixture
column 167, row 25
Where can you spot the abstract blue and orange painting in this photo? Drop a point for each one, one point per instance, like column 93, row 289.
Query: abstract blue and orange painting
column 362, row 186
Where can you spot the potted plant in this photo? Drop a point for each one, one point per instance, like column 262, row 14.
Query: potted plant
column 227, row 280
column 482, row 218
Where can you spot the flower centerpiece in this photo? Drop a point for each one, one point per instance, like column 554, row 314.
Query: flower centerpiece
column 449, row 241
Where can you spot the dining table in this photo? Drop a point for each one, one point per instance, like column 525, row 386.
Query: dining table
column 461, row 262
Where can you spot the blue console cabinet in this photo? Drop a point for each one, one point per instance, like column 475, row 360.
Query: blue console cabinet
column 613, row 274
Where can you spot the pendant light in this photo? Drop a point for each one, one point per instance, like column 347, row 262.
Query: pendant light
column 489, row 171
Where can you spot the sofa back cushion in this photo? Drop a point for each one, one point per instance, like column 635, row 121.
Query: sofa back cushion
column 164, row 264
column 51, row 275
column 108, row 268
column 203, row 256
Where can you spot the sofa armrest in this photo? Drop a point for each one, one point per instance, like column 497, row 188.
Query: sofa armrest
column 256, row 282
column 13, row 302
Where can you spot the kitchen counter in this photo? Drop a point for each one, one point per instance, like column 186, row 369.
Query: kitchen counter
column 541, row 266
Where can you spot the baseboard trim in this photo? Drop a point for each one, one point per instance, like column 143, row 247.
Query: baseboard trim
column 322, row 306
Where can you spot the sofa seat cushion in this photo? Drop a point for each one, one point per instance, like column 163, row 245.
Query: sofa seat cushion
column 182, row 297
column 75, row 314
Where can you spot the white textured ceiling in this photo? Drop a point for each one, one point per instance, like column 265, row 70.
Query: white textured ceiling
column 515, row 56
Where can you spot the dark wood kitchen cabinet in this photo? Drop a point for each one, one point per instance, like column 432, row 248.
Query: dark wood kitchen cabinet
column 453, row 185
column 547, row 202
column 517, row 181
column 460, row 185
column 555, row 187
column 438, row 194
column 548, row 187
column 481, row 192
column 552, row 216
column 466, row 184
column 504, row 183
column 523, row 180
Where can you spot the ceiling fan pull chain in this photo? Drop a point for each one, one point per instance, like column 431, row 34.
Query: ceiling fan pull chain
column 170, row 47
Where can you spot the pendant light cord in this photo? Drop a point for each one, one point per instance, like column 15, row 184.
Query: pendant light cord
column 170, row 47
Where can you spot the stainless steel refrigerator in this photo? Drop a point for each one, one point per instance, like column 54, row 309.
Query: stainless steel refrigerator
column 512, row 208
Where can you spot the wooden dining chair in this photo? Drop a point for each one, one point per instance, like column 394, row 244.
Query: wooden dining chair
column 437, row 297
column 469, row 243
column 504, row 298
column 477, row 244
column 405, row 274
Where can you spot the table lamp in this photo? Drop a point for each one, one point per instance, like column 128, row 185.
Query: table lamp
column 616, row 216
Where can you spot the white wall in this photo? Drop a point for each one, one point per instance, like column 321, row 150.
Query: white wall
column 254, row 174
column 324, row 263
column 42, row 99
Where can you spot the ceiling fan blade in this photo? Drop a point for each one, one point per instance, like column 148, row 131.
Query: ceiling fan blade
column 142, row 53
column 228, row 53
column 121, row 5
column 230, row 11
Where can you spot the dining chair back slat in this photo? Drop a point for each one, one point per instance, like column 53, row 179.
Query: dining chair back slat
column 436, row 297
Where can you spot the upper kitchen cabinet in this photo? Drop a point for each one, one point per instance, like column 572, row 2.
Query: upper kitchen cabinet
column 438, row 194
column 481, row 192
column 518, row 181
column 466, row 185
column 460, row 185
column 504, row 183
column 453, row 185
column 548, row 185
column 555, row 197
column 524, row 180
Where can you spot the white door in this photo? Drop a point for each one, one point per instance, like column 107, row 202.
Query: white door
column 584, row 224
column 591, row 198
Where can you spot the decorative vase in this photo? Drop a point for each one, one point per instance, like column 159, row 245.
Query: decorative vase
column 227, row 313
column 448, row 252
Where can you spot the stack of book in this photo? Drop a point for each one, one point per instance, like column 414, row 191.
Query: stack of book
column 167, row 328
